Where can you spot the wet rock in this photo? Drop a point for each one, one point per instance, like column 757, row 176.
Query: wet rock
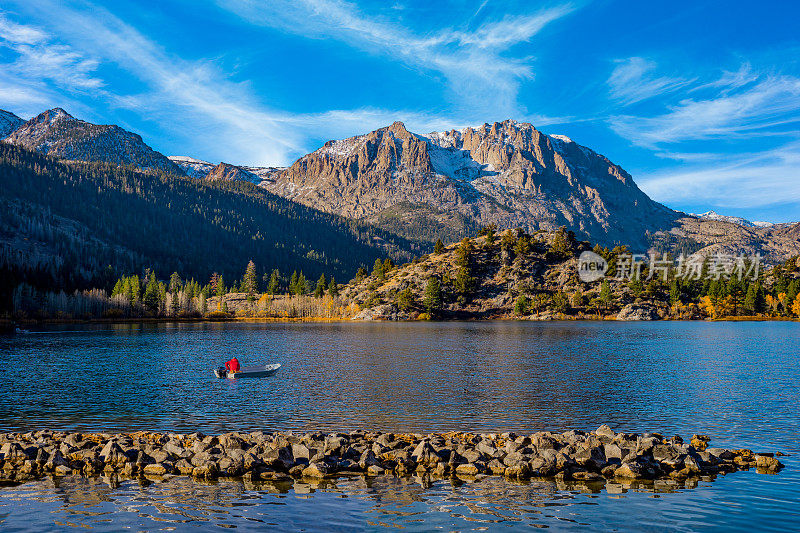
column 206, row 471
column 470, row 469
column 375, row 470
column 157, row 469
column 768, row 462
column 316, row 470
column 425, row 454
column 184, row 467
column 281, row 458
column 593, row 458
column 629, row 471
column 583, row 475
column 700, row 442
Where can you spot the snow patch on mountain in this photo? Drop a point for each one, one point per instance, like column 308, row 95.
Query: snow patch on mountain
column 562, row 138
column 343, row 148
column 194, row 168
column 713, row 215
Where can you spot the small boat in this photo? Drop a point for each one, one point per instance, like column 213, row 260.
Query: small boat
column 19, row 331
column 258, row 371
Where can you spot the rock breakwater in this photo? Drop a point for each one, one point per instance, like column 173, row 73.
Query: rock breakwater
column 594, row 456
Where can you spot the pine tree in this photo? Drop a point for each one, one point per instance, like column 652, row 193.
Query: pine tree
column 377, row 270
column 674, row 292
column 274, row 282
column 301, row 287
column 465, row 282
column 250, row 280
column 175, row 303
column 321, row 287
column 175, row 282
column 388, row 265
column 439, row 247
column 293, row 283
column 432, row 300
column 220, row 288
column 405, row 299
column 118, row 286
column 560, row 245
column 490, row 234
column 333, row 288
column 522, row 305
column 605, row 293
column 151, row 294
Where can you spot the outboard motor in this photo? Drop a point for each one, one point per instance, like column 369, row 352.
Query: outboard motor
column 221, row 372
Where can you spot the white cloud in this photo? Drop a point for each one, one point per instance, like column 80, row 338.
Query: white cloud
column 631, row 81
column 20, row 34
column 479, row 74
column 223, row 119
column 713, row 129
column 769, row 106
column 38, row 57
column 732, row 181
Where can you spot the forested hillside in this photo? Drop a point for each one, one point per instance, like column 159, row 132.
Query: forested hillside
column 79, row 225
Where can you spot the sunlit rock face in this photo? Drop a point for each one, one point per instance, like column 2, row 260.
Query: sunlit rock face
column 507, row 173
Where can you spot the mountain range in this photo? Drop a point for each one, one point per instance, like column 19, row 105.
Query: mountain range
column 442, row 184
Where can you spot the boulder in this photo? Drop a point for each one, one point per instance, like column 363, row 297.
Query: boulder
column 638, row 311
column 316, row 470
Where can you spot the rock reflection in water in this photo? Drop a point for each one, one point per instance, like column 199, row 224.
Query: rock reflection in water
column 348, row 503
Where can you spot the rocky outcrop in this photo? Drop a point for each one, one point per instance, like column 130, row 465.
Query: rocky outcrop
column 228, row 172
column 594, row 456
column 59, row 134
column 383, row 312
column 637, row 311
column 774, row 243
column 507, row 173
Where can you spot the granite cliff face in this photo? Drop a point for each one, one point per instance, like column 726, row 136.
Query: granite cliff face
column 507, row 173
column 57, row 133
column 228, row 172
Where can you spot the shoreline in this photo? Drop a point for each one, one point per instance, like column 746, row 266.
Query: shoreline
column 7, row 325
column 598, row 456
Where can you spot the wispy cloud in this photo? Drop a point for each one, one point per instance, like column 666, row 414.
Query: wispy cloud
column 36, row 56
column 198, row 99
column 631, row 81
column 750, row 180
column 765, row 106
column 479, row 74
column 736, row 136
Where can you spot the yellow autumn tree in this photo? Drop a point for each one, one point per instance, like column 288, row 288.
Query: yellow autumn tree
column 772, row 304
column 716, row 309
column 796, row 305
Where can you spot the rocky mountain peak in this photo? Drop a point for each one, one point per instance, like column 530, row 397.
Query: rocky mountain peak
column 55, row 132
column 507, row 173
column 53, row 114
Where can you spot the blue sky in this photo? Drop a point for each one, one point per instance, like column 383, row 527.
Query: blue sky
column 699, row 101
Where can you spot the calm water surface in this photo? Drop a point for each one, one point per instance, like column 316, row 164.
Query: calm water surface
column 738, row 382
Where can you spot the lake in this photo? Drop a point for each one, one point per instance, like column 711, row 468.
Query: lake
column 738, row 382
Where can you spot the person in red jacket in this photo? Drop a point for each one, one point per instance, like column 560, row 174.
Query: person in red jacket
column 233, row 365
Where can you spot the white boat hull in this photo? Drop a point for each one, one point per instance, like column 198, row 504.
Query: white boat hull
column 258, row 371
